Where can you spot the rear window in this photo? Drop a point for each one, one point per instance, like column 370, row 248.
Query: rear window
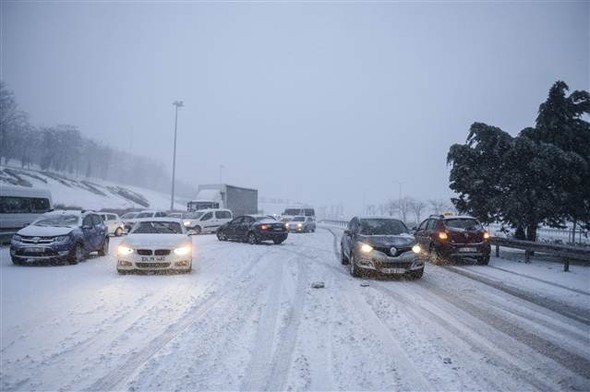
column 464, row 224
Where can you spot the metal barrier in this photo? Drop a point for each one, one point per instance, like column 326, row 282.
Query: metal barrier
column 566, row 252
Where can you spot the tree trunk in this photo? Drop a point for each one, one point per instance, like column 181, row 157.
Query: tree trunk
column 531, row 232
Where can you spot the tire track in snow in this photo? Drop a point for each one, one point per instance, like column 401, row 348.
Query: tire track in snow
column 258, row 368
column 113, row 379
column 476, row 337
column 563, row 309
column 581, row 366
column 283, row 356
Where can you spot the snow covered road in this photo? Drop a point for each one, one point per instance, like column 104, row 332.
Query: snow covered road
column 248, row 319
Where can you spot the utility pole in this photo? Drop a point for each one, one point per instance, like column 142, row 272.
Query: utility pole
column 178, row 104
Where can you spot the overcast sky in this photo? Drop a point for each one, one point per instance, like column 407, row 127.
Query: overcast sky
column 326, row 103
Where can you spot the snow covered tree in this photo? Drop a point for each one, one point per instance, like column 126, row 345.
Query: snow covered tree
column 560, row 123
column 477, row 171
column 540, row 177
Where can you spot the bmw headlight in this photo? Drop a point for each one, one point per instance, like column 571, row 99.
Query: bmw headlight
column 366, row 248
column 124, row 251
column 183, row 251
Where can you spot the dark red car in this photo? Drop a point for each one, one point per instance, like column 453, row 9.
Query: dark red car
column 449, row 237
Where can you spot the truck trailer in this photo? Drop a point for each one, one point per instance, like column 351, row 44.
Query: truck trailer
column 240, row 201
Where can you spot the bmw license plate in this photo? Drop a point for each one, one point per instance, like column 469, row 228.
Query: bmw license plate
column 467, row 250
column 153, row 258
column 394, row 270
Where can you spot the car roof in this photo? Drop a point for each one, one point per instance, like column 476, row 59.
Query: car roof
column 378, row 217
column 459, row 217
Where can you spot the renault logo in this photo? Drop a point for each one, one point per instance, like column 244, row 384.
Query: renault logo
column 393, row 250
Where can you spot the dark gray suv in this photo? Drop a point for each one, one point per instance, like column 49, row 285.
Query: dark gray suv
column 382, row 245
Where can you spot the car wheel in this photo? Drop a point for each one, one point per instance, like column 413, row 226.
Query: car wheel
column 104, row 250
column 118, row 232
column 435, row 255
column 197, row 229
column 252, row 238
column 417, row 274
column 484, row 260
column 77, row 255
column 16, row 261
column 343, row 258
column 354, row 270
column 221, row 236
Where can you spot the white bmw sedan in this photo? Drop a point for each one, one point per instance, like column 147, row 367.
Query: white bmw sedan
column 156, row 244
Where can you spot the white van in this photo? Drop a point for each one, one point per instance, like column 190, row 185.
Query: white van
column 207, row 221
column 20, row 206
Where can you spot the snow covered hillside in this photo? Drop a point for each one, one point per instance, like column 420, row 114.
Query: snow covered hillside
column 87, row 193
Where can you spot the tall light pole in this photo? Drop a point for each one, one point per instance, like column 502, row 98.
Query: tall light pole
column 178, row 104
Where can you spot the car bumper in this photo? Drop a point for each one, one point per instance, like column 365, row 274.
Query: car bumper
column 296, row 229
column 154, row 263
column 40, row 254
column 466, row 250
column 379, row 262
column 269, row 236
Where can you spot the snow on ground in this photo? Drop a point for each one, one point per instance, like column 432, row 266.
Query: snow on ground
column 247, row 318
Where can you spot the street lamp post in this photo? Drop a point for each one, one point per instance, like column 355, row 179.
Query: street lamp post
column 178, row 104
column 400, row 196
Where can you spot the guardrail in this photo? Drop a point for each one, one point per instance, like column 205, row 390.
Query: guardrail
column 566, row 252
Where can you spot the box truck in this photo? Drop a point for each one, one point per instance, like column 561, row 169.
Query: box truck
column 240, row 201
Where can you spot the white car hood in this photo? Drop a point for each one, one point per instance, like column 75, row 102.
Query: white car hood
column 44, row 231
column 156, row 240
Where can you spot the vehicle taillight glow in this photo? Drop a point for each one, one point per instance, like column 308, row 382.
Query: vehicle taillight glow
column 263, row 227
column 442, row 235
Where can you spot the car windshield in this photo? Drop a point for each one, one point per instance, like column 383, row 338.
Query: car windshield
column 464, row 224
column 157, row 228
column 195, row 215
column 58, row 220
column 382, row 227
column 299, row 219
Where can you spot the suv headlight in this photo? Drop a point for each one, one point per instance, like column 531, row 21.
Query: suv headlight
column 123, row 250
column 416, row 248
column 365, row 248
column 17, row 238
column 61, row 238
